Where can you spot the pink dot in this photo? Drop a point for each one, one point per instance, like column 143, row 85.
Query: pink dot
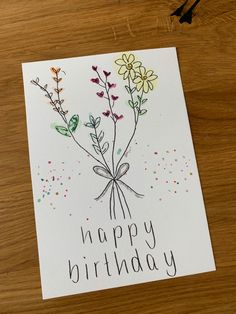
column 155, row 153
column 64, row 195
column 66, row 190
column 49, row 162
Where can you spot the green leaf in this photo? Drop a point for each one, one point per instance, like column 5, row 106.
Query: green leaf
column 139, row 98
column 93, row 137
column 142, row 112
column 127, row 88
column 62, row 130
column 100, row 136
column 105, row 147
column 143, row 101
column 97, row 122
column 133, row 90
column 135, row 104
column 89, row 125
column 131, row 104
column 96, row 148
column 73, row 123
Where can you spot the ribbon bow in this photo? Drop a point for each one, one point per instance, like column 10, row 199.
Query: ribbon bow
column 115, row 182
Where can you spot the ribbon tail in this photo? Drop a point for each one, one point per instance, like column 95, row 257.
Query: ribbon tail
column 130, row 189
column 104, row 191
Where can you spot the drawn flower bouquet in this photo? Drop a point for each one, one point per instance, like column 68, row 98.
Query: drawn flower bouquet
column 138, row 83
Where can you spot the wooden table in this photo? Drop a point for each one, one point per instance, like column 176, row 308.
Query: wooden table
column 40, row 30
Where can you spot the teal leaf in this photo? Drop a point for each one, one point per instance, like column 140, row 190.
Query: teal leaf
column 139, row 98
column 100, row 136
column 105, row 147
column 62, row 130
column 96, row 148
column 135, row 104
column 89, row 125
column 97, row 122
column 73, row 123
column 142, row 112
column 93, row 137
column 91, row 119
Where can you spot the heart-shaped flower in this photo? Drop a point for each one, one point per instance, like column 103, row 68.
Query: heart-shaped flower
column 114, row 98
column 95, row 80
column 118, row 117
column 111, row 85
column 94, row 68
column 100, row 94
column 107, row 113
column 106, row 73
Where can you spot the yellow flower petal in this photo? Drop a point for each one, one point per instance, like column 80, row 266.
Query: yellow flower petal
column 139, row 85
column 120, row 62
column 152, row 78
column 142, row 70
column 150, row 85
column 136, row 64
column 132, row 74
column 137, row 80
column 149, row 73
column 122, row 69
column 131, row 58
column 124, row 57
column 145, row 87
column 126, row 74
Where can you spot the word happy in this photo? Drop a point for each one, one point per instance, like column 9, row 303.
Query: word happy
column 125, row 258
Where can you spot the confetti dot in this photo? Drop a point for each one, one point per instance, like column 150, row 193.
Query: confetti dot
column 64, row 195
column 154, row 172
column 167, row 152
column 175, row 191
column 49, row 162
column 174, row 150
column 186, row 190
column 87, row 219
column 69, row 178
column 70, row 214
column 39, row 200
column 151, row 187
column 66, row 190
column 57, row 193
column 156, row 178
column 191, row 173
column 42, row 179
column 160, row 199
column 156, row 153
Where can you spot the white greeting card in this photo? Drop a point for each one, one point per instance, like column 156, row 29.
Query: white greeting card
column 116, row 189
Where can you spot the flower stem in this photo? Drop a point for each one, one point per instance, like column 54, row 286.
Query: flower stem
column 136, row 118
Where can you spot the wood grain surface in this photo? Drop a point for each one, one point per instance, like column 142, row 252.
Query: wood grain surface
column 33, row 30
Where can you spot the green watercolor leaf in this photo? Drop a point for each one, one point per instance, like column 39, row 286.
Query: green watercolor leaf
column 105, row 147
column 135, row 104
column 100, row 136
column 62, row 130
column 73, row 123
column 96, row 148
column 97, row 122
column 131, row 103
column 142, row 112
column 144, row 100
column 127, row 88
column 139, row 98
column 93, row 137
column 133, row 90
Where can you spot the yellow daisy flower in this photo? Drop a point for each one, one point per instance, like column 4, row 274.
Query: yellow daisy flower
column 128, row 66
column 144, row 80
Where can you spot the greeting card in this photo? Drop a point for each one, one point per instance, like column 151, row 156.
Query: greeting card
column 117, row 196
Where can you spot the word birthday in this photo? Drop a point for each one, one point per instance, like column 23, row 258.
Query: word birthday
column 132, row 249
